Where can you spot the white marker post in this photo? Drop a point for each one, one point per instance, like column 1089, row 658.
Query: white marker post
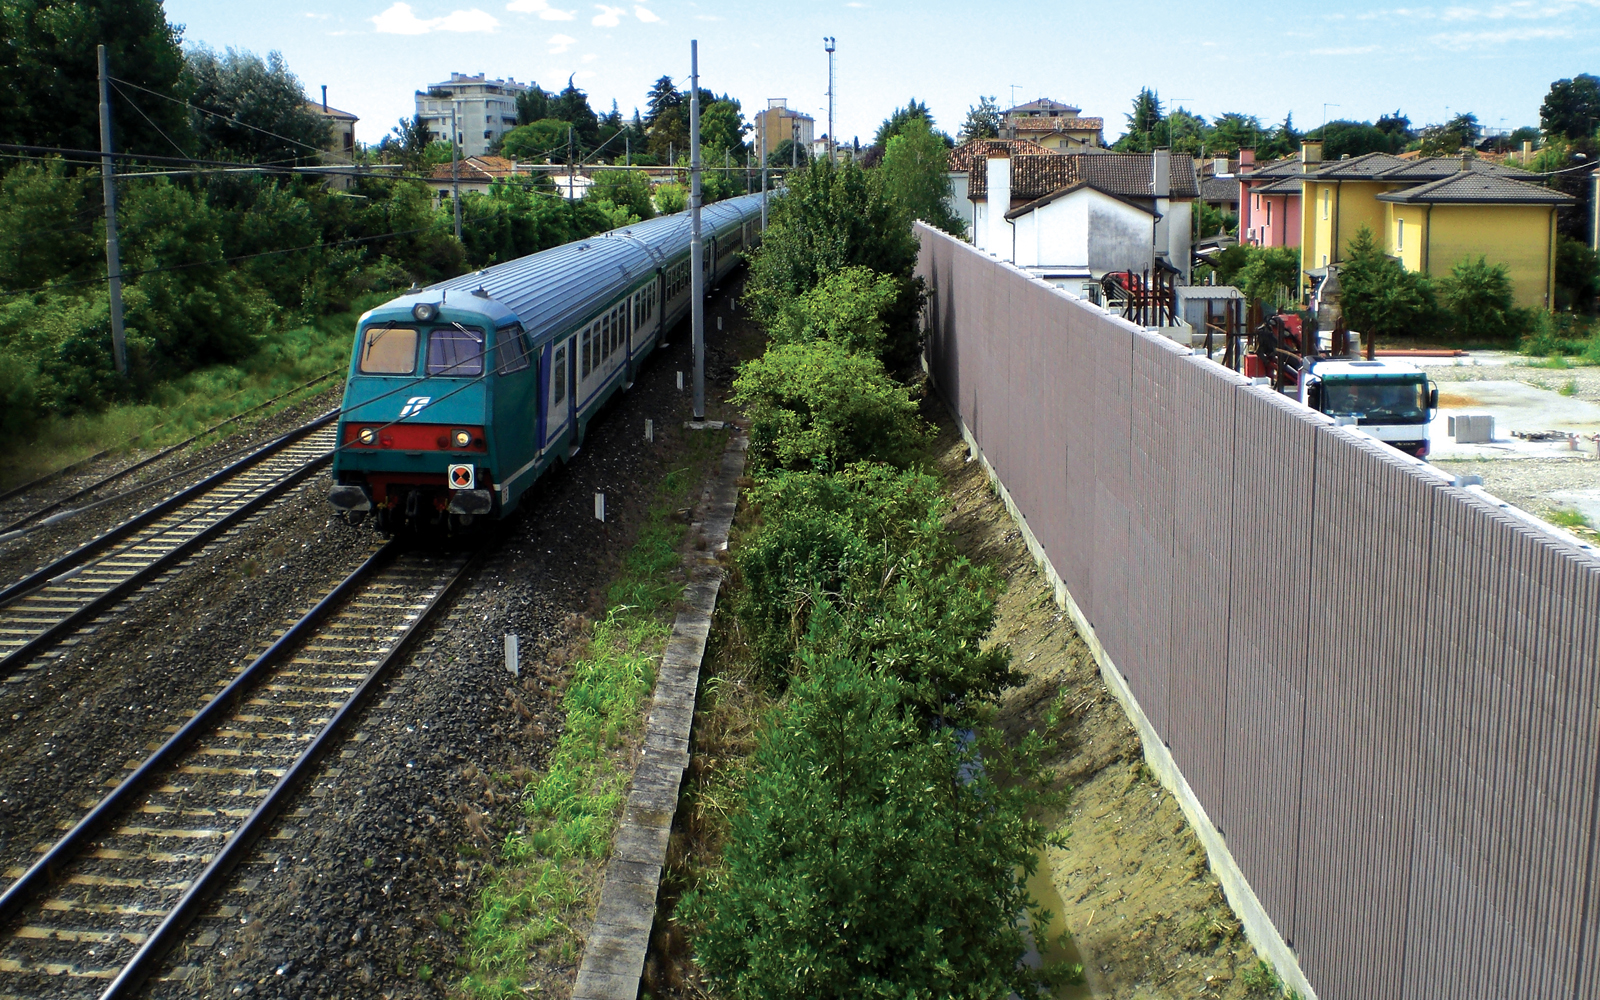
column 649, row 430
column 513, row 657
column 600, row 507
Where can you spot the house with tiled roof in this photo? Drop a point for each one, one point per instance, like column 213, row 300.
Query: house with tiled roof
column 961, row 162
column 1269, row 200
column 474, row 174
column 1431, row 213
column 1053, row 125
column 1074, row 217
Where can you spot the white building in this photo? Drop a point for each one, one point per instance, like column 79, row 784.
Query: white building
column 485, row 110
column 1073, row 218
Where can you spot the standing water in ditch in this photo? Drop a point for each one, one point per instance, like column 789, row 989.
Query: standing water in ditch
column 1052, row 944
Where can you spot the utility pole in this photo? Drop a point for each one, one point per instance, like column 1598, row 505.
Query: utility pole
column 627, row 150
column 119, row 347
column 697, row 251
column 794, row 147
column 764, row 169
column 455, row 166
column 571, row 167
column 828, row 46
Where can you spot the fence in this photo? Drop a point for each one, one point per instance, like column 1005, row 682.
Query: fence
column 1383, row 690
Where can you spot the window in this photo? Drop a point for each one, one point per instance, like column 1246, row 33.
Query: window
column 389, row 350
column 455, row 350
column 1269, row 213
column 588, row 350
column 605, row 336
column 558, row 376
column 1400, row 234
column 511, row 350
column 1327, row 197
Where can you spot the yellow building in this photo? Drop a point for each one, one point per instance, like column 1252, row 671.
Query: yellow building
column 1431, row 213
column 1053, row 125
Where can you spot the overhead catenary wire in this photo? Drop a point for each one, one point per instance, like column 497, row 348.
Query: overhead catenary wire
column 227, row 118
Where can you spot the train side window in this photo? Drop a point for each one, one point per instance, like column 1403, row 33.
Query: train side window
column 389, row 350
column 455, row 350
column 605, row 327
column 588, row 351
column 558, row 377
column 511, row 352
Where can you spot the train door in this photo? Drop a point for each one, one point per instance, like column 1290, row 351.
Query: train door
column 558, row 409
column 514, row 394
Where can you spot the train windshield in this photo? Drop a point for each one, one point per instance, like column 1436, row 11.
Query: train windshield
column 389, row 350
column 1378, row 402
column 455, row 350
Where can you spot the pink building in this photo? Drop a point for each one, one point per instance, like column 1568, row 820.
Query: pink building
column 1269, row 198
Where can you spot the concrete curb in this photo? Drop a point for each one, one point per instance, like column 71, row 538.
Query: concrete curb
column 613, row 956
column 1259, row 929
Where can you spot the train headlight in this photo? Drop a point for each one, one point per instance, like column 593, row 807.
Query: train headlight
column 367, row 435
column 424, row 312
column 462, row 439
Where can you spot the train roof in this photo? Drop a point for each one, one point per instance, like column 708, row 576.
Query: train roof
column 555, row 288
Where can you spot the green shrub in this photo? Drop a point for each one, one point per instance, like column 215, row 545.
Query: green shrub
column 1480, row 302
column 847, row 308
column 1382, row 299
column 871, row 857
column 819, row 407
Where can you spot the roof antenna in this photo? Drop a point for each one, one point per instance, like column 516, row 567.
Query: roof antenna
column 482, row 292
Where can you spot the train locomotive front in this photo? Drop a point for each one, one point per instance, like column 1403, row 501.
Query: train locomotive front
column 418, row 443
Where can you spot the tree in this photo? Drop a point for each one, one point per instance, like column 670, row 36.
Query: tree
column 915, row 176
column 1480, row 302
column 983, row 121
column 1396, row 124
column 1270, row 275
column 1571, row 110
column 48, row 68
column 789, row 153
column 1146, row 113
column 407, row 142
column 1577, row 274
column 626, row 189
column 544, row 140
column 1284, row 141
column 532, row 106
column 664, row 97
column 1462, row 131
column 1347, row 138
column 1379, row 297
column 242, row 98
column 871, row 857
column 1235, row 131
column 671, row 198
column 722, row 127
column 900, row 117
column 572, row 107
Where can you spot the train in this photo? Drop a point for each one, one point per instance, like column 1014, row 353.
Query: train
column 462, row 394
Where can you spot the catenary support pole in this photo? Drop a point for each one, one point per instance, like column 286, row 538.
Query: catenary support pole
column 108, row 178
column 696, row 249
column 764, row 170
column 455, row 168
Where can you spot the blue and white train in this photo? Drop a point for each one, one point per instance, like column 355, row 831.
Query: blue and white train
column 462, row 394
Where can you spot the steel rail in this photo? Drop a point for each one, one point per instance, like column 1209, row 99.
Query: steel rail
column 44, row 871
column 94, row 547
column 82, row 615
column 240, row 843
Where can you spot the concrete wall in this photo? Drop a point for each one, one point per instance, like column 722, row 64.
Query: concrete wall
column 1373, row 692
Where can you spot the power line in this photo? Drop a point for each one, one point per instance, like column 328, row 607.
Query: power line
column 227, row 118
column 164, row 135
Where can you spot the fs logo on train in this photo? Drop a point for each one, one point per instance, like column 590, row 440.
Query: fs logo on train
column 461, row 477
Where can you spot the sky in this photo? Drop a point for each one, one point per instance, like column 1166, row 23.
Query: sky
column 1352, row 60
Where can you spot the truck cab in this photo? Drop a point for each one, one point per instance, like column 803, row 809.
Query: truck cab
column 1392, row 401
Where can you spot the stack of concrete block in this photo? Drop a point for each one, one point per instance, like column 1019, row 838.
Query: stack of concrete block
column 1472, row 429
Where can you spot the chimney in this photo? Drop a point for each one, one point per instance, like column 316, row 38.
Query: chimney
column 1527, row 152
column 324, row 98
column 1311, row 151
column 1161, row 173
column 1466, row 162
column 998, row 177
column 1247, row 160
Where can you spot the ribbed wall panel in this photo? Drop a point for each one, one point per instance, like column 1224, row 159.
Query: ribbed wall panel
column 1206, row 495
column 1382, row 689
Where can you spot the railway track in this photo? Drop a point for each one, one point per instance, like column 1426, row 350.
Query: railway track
column 39, row 610
column 100, row 908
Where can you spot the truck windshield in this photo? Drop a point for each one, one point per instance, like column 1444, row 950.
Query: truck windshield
column 1377, row 402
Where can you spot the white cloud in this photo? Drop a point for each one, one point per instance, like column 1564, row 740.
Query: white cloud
column 1349, row 50
column 542, row 8
column 609, row 17
column 319, row 17
column 588, row 57
column 646, row 15
column 399, row 19
column 561, row 43
column 1458, row 41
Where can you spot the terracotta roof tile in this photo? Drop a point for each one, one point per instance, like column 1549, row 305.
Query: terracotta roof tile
column 1045, row 124
column 979, row 150
column 1126, row 175
column 1477, row 188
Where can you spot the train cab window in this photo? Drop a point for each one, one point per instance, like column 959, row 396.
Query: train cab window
column 511, row 351
column 389, row 350
column 455, row 350
column 558, row 376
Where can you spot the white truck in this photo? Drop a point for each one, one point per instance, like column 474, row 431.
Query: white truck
column 1392, row 401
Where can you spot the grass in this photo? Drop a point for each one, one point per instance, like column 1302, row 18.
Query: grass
column 1556, row 361
column 1568, row 519
column 1570, row 389
column 543, row 877
column 185, row 406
